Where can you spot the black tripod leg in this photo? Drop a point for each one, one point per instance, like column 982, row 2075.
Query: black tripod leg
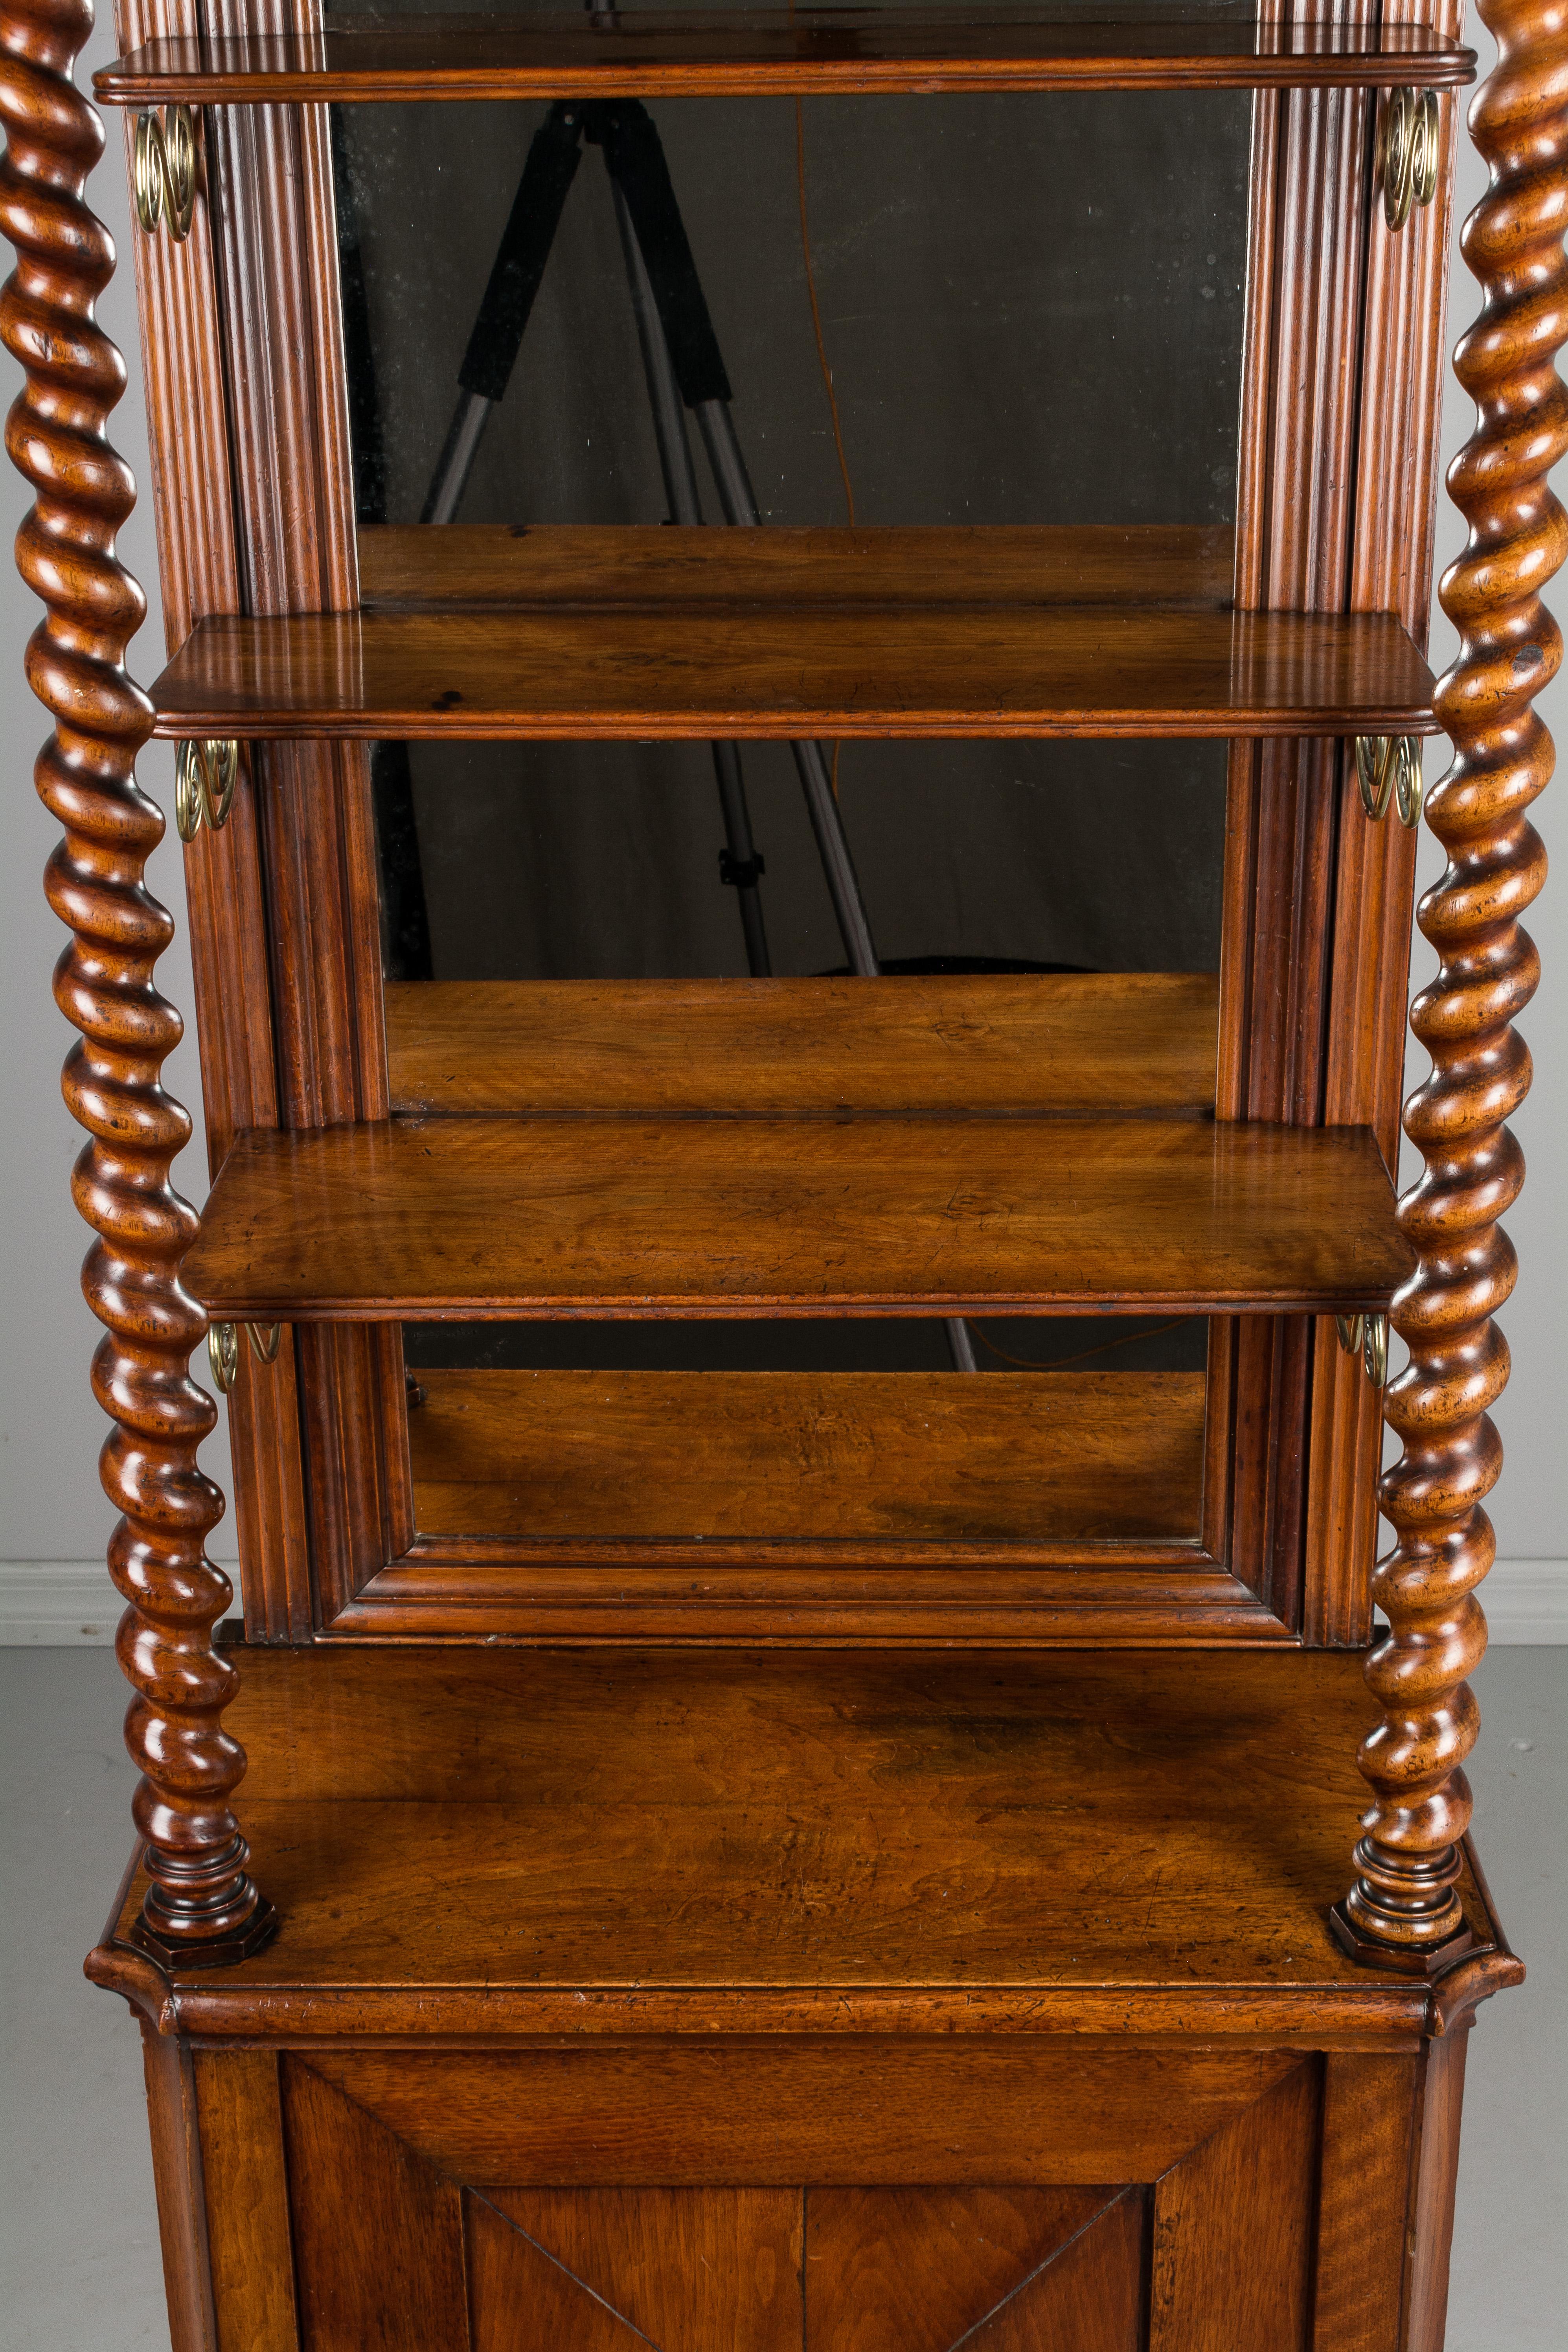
column 553, row 156
column 636, row 161
column 404, row 918
column 740, row 862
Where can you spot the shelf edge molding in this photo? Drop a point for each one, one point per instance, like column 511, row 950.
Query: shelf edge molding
column 200, row 1907
column 763, row 671
column 774, row 52
column 1404, row 1909
column 505, row 1219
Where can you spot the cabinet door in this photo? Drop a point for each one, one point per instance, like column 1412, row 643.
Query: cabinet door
column 1059, row 2198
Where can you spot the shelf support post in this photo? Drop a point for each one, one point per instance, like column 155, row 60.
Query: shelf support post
column 200, row 1906
column 1404, row 1909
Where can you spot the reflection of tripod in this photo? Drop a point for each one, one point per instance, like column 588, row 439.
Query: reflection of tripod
column 684, row 370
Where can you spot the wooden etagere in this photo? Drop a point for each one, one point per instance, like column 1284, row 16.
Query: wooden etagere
column 782, row 1886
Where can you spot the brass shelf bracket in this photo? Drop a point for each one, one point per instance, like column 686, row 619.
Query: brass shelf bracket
column 207, row 773
column 163, row 170
column 1407, row 146
column 223, row 1349
column 1388, row 767
column 1367, row 1336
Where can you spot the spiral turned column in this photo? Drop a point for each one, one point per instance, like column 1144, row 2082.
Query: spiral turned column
column 200, row 1906
column 1404, row 1909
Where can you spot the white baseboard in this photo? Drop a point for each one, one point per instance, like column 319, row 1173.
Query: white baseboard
column 1526, row 1601
column 61, row 1603
column 70, row 1603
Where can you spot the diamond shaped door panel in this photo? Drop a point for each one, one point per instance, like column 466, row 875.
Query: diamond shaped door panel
column 606, row 2270
column 996, row 2270
column 399, row 2235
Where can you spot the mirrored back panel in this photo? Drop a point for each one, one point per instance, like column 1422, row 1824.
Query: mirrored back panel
column 1002, row 308
column 959, row 311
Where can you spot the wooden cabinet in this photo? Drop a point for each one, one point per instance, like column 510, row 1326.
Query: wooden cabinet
column 802, row 1238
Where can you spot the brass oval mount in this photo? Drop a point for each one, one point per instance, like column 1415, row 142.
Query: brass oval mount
column 163, row 170
column 223, row 1349
column 1388, row 767
column 1407, row 152
column 207, row 776
column 1367, row 1336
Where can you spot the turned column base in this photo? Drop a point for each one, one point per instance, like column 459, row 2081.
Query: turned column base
column 1404, row 1959
column 223, row 1950
column 202, row 1910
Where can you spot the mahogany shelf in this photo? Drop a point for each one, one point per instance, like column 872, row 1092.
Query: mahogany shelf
column 997, row 1043
column 508, row 1219
column 643, row 632
column 768, row 52
column 574, row 1457
column 486, row 1842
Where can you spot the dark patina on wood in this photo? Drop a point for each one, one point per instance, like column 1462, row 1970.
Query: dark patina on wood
column 1403, row 1906
column 200, row 1902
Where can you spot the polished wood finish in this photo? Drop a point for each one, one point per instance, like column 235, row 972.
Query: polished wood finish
column 819, row 1457
column 178, row 2161
column 239, row 2113
column 854, row 1999
column 1432, row 2204
column 774, row 52
column 506, row 1219
column 204, row 554
column 319, row 1014
column 976, row 2110
column 762, row 671
column 890, row 567
column 1371, row 2106
column 1220, row 2285
column 1334, row 398
column 1336, row 501
column 1113, row 1594
column 1126, row 1043
column 924, row 2270
column 199, row 1896
column 850, row 2194
column 358, row 2281
column 1404, row 1903
column 508, row 1842
column 709, row 2269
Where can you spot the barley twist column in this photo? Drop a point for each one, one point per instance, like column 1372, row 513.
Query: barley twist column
column 1403, row 1908
column 200, row 1906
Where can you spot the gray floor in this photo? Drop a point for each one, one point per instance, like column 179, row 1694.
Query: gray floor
column 81, row 2240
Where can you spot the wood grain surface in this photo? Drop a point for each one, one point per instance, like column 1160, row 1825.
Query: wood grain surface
column 1038, row 1042
column 1404, row 1899
column 845, row 1457
column 357, row 2281
column 992, row 2270
column 507, row 1218
column 1081, row 2109
column 1220, row 2283
column 904, row 564
column 763, row 671
column 709, row 2270
column 996, row 1043
column 200, row 1896
column 249, row 2250
column 768, row 51
column 747, row 1838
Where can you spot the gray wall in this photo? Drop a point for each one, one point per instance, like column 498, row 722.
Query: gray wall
column 51, row 1429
